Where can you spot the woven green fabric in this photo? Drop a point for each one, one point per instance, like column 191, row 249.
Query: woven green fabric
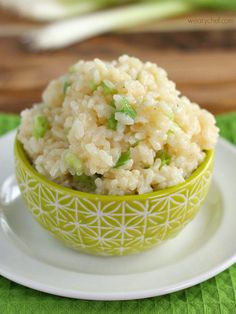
column 217, row 295
column 8, row 122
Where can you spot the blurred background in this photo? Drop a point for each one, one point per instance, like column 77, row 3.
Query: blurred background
column 195, row 41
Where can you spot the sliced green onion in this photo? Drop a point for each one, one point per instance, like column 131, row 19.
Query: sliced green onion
column 92, row 85
column 104, row 21
column 126, row 108
column 124, row 157
column 108, row 87
column 112, row 122
column 86, row 182
column 73, row 163
column 164, row 157
column 40, row 126
column 67, row 84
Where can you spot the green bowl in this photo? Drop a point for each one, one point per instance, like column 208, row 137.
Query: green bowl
column 111, row 225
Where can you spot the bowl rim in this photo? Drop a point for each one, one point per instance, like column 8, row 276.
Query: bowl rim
column 22, row 155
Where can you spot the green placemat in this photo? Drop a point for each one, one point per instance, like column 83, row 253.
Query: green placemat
column 217, row 295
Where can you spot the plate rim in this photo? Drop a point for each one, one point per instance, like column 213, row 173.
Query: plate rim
column 120, row 296
column 131, row 295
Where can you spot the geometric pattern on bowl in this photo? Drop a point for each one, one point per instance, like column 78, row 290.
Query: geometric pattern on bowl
column 111, row 225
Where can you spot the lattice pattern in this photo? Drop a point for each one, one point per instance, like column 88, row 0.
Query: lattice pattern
column 111, row 228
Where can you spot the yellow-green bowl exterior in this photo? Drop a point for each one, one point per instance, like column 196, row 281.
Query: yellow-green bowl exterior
column 111, row 225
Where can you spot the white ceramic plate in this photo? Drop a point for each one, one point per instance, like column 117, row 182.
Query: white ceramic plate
column 31, row 257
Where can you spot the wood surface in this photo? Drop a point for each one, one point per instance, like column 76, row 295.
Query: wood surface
column 202, row 62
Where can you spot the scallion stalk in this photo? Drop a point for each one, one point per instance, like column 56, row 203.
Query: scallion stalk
column 60, row 34
column 48, row 10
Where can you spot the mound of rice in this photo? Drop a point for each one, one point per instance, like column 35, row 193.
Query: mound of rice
column 117, row 127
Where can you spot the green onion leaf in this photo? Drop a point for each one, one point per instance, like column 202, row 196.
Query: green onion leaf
column 124, row 157
column 86, row 182
column 65, row 87
column 108, row 87
column 126, row 108
column 112, row 122
column 92, row 85
column 40, row 126
column 164, row 157
column 73, row 163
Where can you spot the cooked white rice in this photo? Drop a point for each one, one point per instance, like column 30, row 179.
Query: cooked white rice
column 78, row 108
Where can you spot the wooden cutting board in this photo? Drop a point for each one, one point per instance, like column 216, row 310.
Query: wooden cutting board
column 201, row 61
